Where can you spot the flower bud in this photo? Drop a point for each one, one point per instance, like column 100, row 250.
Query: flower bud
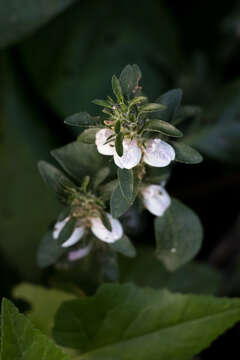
column 155, row 199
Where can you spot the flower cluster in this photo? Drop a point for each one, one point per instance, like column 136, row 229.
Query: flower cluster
column 153, row 152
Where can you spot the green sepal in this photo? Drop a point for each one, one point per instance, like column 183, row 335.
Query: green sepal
column 119, row 144
column 66, row 231
column 105, row 220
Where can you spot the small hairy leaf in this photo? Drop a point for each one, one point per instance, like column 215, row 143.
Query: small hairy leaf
column 162, row 127
column 178, row 234
column 102, row 103
column 186, row 154
column 21, row 340
column 117, row 89
column 126, row 322
column 152, row 107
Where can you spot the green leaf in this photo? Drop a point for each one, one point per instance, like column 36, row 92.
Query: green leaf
column 178, row 235
column 119, row 144
column 172, row 100
column 17, row 20
column 124, row 246
column 129, row 79
column 88, row 136
column 79, row 159
column 186, row 154
column 21, row 340
column 44, row 304
column 67, row 231
column 117, row 89
column 126, row 182
column 194, row 278
column 55, row 179
column 152, row 107
column 49, row 251
column 137, row 100
column 100, row 177
column 125, row 322
column 120, row 204
column 82, row 119
column 162, row 127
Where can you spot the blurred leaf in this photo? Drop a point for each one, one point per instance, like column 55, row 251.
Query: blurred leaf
column 101, row 176
column 27, row 206
column 172, row 100
column 44, row 304
column 69, row 79
column 49, row 251
column 88, row 136
column 145, row 324
column 126, row 182
column 21, row 340
column 162, row 127
column 79, row 160
column 129, row 79
column 152, row 107
column 55, row 179
column 178, row 235
column 220, row 139
column 186, row 154
column 18, row 19
column 195, row 278
column 82, row 119
column 124, row 246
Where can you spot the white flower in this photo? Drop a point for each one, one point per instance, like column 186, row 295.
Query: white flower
column 80, row 253
column 158, row 153
column 97, row 228
column 155, row 199
column 76, row 235
column 131, row 155
column 104, row 234
column 101, row 138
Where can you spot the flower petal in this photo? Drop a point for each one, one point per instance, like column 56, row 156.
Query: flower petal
column 158, row 153
column 155, row 199
column 101, row 138
column 131, row 155
column 80, row 253
column 75, row 237
column 59, row 226
column 102, row 233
